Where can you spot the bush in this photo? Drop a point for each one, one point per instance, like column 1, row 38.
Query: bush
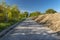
column 4, row 25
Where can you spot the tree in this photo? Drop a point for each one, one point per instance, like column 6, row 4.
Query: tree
column 15, row 13
column 50, row 11
column 21, row 15
column 3, row 6
column 26, row 14
column 2, row 14
column 9, row 13
column 35, row 13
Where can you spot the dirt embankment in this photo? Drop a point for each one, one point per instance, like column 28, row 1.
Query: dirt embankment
column 50, row 20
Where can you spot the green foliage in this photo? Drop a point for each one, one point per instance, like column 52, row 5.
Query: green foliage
column 22, row 15
column 15, row 13
column 26, row 14
column 34, row 14
column 10, row 15
column 4, row 25
column 49, row 11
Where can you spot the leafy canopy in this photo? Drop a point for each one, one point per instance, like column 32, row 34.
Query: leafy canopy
column 50, row 11
column 35, row 13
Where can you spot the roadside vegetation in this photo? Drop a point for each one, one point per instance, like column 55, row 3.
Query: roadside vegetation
column 34, row 14
column 10, row 15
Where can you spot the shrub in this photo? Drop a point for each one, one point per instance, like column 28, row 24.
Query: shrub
column 4, row 25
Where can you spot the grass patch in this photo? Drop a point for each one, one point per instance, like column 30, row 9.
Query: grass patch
column 4, row 25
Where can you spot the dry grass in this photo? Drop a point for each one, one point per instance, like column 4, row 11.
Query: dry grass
column 50, row 20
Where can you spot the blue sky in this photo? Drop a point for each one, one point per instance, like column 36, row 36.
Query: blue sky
column 35, row 5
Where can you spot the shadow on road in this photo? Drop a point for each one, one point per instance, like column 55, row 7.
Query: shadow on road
column 29, row 34
column 30, row 24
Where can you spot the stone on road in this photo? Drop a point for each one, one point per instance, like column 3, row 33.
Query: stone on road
column 30, row 30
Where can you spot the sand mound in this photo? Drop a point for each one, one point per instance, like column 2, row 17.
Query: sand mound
column 50, row 20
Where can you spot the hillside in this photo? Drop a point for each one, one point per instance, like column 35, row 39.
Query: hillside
column 51, row 21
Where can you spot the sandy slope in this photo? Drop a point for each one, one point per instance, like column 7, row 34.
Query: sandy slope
column 50, row 20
